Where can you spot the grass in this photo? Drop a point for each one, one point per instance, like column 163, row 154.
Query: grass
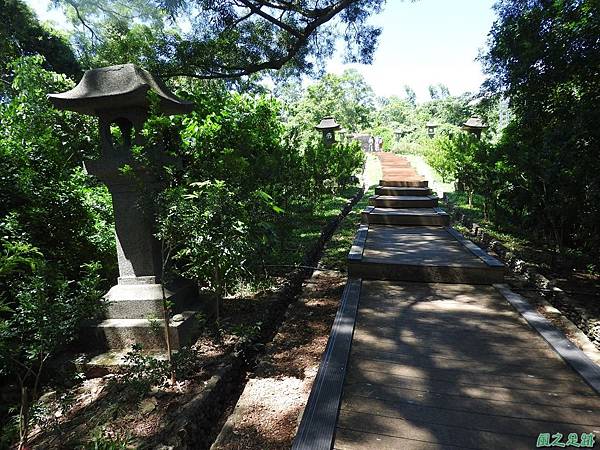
column 304, row 228
column 336, row 250
column 475, row 213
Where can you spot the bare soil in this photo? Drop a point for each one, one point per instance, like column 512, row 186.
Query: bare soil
column 108, row 407
column 268, row 412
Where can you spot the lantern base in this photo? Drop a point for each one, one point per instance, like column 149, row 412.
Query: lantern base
column 134, row 315
column 142, row 298
column 117, row 334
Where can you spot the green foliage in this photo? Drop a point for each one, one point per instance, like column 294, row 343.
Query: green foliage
column 329, row 167
column 227, row 38
column 244, row 179
column 146, row 371
column 41, row 313
column 347, row 97
column 45, row 198
column 55, row 225
column 100, row 441
column 22, row 35
column 464, row 159
column 247, row 332
column 207, row 227
column 543, row 57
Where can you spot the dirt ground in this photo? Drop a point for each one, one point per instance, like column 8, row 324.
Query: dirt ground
column 109, row 408
column 268, row 412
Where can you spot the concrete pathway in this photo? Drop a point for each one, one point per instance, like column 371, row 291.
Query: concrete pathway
column 426, row 352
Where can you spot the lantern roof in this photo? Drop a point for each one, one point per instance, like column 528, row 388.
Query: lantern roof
column 474, row 123
column 118, row 87
column 431, row 124
column 328, row 123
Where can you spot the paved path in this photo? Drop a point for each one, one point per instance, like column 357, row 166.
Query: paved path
column 454, row 366
column 427, row 353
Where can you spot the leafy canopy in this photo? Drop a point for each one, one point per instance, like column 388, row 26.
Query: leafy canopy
column 22, row 35
column 229, row 38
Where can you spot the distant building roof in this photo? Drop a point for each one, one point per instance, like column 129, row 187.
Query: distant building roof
column 114, row 87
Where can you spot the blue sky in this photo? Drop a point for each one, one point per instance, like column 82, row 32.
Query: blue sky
column 425, row 42
column 428, row 42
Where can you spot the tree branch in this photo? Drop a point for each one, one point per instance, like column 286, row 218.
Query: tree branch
column 269, row 18
column 83, row 22
column 302, row 37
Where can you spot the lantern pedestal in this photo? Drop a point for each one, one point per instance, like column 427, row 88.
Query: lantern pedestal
column 117, row 95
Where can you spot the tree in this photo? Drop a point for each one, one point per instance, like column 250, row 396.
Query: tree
column 411, row 97
column 233, row 38
column 394, row 111
column 22, row 35
column 347, row 97
column 544, row 57
column 207, row 226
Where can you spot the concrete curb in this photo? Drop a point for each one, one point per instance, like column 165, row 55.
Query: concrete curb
column 572, row 355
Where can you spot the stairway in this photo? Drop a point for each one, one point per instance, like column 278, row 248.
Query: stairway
column 406, row 237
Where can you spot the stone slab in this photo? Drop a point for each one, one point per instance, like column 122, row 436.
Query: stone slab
column 406, row 216
column 421, row 254
column 142, row 301
column 380, row 190
column 403, row 201
column 416, row 182
column 123, row 333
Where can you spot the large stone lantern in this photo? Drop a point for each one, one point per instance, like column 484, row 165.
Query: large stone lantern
column 431, row 126
column 328, row 126
column 118, row 96
column 475, row 126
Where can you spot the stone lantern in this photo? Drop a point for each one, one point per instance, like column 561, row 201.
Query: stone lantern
column 118, row 96
column 475, row 126
column 431, row 126
column 327, row 126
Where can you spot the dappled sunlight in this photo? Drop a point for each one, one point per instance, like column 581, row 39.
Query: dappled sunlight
column 431, row 359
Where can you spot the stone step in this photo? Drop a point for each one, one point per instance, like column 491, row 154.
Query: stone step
column 392, row 164
column 123, row 333
column 406, row 216
column 422, row 254
column 381, row 190
column 138, row 301
column 112, row 361
column 408, row 182
column 400, row 173
column 404, row 201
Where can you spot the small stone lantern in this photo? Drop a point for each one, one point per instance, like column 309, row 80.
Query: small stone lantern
column 475, row 126
column 327, row 126
column 117, row 95
column 431, row 126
